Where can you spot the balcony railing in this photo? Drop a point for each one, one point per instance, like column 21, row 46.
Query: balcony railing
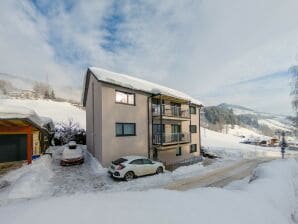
column 174, row 138
column 170, row 111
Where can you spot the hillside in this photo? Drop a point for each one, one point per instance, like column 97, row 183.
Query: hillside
column 58, row 111
column 238, row 120
column 9, row 82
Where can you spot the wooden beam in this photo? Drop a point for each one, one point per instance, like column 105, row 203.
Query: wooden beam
column 29, row 144
column 21, row 130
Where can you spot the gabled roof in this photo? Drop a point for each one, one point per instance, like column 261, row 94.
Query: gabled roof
column 133, row 83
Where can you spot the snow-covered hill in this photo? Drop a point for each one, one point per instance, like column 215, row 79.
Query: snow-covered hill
column 58, row 111
column 61, row 90
column 272, row 120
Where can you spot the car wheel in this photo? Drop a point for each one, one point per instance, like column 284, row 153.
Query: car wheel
column 159, row 170
column 129, row 176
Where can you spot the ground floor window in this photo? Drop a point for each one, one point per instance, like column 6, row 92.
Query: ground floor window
column 179, row 151
column 193, row 128
column 193, row 148
column 125, row 129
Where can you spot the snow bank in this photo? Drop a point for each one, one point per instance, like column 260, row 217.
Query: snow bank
column 30, row 181
column 269, row 199
column 58, row 111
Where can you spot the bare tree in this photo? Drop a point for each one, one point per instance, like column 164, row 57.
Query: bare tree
column 294, row 93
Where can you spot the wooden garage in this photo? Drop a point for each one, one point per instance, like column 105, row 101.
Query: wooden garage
column 23, row 135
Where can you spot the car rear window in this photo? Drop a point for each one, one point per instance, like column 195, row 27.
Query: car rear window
column 119, row 161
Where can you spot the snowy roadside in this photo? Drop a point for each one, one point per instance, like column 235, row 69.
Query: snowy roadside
column 46, row 178
column 270, row 198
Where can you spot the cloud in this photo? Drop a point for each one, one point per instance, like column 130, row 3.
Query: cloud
column 194, row 46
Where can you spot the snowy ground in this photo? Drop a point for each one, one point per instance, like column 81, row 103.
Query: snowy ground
column 229, row 146
column 46, row 178
column 271, row 198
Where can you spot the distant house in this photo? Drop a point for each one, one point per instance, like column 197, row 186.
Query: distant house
column 23, row 134
column 130, row 116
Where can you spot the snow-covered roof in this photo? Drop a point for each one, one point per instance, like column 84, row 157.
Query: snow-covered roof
column 18, row 112
column 139, row 84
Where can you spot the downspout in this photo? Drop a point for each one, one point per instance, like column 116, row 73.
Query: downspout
column 148, row 120
column 200, row 144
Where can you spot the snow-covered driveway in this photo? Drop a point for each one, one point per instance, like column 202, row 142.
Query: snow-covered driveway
column 219, row 177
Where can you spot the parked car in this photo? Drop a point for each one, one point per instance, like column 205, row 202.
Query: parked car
column 72, row 155
column 129, row 167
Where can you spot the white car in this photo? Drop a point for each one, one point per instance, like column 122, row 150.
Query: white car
column 129, row 167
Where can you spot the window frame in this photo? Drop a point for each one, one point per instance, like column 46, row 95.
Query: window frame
column 195, row 109
column 180, row 151
column 193, row 150
column 122, row 133
column 127, row 93
column 193, row 131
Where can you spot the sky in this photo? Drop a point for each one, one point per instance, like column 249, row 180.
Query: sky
column 232, row 51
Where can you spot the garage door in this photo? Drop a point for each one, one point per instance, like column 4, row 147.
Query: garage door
column 13, row 148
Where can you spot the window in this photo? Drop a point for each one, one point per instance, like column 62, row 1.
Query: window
column 137, row 162
column 125, row 129
column 193, row 128
column 178, row 151
column 193, row 110
column 193, row 148
column 125, row 98
column 147, row 161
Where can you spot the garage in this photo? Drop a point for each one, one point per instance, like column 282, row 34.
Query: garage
column 13, row 148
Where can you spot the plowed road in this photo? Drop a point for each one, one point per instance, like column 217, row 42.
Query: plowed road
column 219, row 177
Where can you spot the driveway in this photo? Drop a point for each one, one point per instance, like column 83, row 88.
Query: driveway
column 218, row 177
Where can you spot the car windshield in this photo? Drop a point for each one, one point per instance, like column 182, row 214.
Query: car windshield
column 119, row 161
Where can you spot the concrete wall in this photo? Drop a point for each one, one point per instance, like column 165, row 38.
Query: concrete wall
column 114, row 147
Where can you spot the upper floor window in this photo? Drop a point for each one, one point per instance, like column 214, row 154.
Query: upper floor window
column 193, row 110
column 125, row 98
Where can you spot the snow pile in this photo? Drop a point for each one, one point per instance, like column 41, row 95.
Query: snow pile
column 72, row 153
column 139, row 84
column 30, row 181
column 58, row 111
column 19, row 112
column 268, row 199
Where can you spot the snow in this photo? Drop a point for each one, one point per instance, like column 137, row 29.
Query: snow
column 270, row 198
column 72, row 153
column 30, row 181
column 139, row 84
column 274, row 124
column 58, row 111
column 229, row 146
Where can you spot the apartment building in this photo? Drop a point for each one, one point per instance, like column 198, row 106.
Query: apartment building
column 130, row 116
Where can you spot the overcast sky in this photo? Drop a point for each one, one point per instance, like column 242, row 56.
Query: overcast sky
column 215, row 50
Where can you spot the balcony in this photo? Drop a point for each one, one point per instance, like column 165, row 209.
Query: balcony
column 169, row 111
column 171, row 139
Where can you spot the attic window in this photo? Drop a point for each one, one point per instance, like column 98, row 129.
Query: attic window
column 125, row 98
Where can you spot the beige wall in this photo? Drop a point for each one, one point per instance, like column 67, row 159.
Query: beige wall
column 114, row 147
column 102, row 114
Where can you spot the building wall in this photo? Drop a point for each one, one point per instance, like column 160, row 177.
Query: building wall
column 114, row 147
column 93, row 118
column 195, row 137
